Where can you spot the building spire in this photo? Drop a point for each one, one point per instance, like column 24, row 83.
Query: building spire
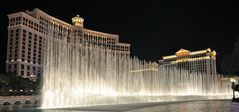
column 77, row 21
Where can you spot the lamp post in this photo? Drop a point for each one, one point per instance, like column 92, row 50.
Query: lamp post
column 233, row 81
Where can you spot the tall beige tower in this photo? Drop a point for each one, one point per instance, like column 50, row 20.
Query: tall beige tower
column 27, row 33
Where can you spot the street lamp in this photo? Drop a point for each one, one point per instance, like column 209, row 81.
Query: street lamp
column 233, row 81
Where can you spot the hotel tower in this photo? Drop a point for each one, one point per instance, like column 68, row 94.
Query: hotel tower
column 202, row 61
column 26, row 38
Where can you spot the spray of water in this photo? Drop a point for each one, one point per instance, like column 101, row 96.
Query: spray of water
column 78, row 74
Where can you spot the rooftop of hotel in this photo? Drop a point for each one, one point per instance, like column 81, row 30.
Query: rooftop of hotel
column 77, row 18
column 184, row 52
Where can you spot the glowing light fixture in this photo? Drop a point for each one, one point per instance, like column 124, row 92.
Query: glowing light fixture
column 78, row 21
column 183, row 52
column 232, row 80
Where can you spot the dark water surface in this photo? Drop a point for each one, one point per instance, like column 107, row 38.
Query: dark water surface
column 194, row 106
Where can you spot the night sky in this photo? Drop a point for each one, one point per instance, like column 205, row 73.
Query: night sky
column 154, row 29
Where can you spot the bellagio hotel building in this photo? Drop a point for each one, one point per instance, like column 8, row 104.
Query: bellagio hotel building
column 201, row 61
column 26, row 38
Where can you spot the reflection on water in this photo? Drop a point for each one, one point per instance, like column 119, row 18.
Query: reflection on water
column 197, row 106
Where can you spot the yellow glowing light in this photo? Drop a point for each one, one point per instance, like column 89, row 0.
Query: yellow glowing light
column 183, row 60
column 232, row 79
column 183, row 52
column 168, row 57
column 214, row 53
column 191, row 59
column 209, row 50
column 144, row 70
column 198, row 52
column 78, row 21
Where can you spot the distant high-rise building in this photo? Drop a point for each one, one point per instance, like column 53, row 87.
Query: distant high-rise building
column 202, row 61
column 26, row 38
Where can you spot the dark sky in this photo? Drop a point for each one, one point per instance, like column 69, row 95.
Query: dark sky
column 153, row 28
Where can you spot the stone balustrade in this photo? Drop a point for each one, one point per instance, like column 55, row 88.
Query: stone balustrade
column 19, row 100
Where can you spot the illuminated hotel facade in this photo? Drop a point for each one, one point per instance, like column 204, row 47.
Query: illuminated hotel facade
column 26, row 38
column 202, row 61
